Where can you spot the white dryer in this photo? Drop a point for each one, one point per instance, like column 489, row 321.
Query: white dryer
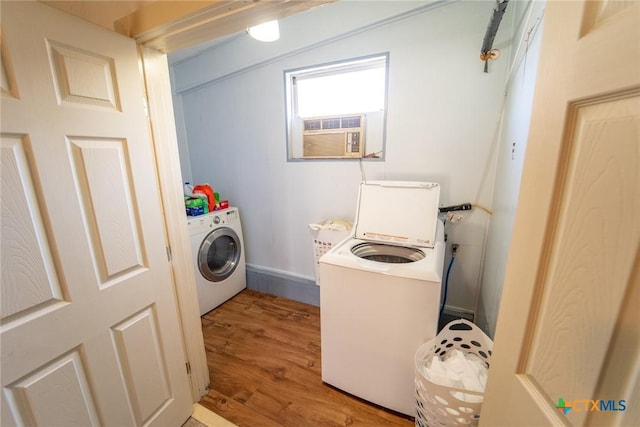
column 380, row 293
column 218, row 252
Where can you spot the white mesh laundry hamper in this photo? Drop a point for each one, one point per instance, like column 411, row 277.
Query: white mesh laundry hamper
column 326, row 235
column 438, row 405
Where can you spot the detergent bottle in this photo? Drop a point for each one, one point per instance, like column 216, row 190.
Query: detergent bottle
column 188, row 189
column 206, row 190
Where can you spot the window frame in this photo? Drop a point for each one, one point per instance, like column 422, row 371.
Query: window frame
column 327, row 69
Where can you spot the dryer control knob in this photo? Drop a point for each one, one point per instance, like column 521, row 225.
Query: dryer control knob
column 216, row 219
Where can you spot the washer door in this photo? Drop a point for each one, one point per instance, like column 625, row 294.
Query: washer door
column 219, row 254
column 387, row 253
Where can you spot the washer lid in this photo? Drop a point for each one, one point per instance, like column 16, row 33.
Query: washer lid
column 398, row 212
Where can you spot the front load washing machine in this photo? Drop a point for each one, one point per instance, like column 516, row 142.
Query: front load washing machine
column 380, row 293
column 218, row 253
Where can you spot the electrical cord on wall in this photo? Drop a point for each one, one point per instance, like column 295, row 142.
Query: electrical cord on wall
column 362, row 175
column 454, row 249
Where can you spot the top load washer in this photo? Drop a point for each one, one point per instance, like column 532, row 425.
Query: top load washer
column 380, row 293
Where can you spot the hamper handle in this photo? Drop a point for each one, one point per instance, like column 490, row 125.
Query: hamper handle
column 468, row 325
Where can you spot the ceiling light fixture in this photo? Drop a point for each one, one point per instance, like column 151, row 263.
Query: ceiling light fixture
column 267, row 32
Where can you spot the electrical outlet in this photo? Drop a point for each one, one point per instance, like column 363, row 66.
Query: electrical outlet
column 454, row 249
column 453, row 217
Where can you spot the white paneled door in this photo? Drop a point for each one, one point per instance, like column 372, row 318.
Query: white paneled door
column 567, row 348
column 89, row 326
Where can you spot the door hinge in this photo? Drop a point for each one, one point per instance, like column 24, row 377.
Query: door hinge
column 169, row 253
column 188, row 365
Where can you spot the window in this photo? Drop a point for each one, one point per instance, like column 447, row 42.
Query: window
column 338, row 110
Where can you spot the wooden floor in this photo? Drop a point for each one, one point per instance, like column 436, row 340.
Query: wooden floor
column 263, row 353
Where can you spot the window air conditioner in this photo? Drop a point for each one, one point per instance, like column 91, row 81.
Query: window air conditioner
column 336, row 137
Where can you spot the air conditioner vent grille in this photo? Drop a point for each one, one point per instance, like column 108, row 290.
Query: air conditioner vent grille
column 333, row 123
column 351, row 122
column 312, row 124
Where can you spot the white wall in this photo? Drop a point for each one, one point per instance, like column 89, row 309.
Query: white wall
column 513, row 141
column 442, row 114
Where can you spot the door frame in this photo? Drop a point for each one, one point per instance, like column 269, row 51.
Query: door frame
column 175, row 33
column 165, row 144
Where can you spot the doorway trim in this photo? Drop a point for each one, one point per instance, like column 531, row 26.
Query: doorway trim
column 163, row 131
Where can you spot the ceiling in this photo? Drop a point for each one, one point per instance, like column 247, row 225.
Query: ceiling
column 169, row 25
column 103, row 13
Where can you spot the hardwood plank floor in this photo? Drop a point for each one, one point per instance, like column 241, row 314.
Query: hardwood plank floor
column 263, row 353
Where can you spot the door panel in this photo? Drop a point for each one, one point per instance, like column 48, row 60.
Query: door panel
column 592, row 250
column 27, row 286
column 57, row 394
column 565, row 319
column 89, row 327
column 144, row 367
column 83, row 77
column 8, row 86
column 103, row 179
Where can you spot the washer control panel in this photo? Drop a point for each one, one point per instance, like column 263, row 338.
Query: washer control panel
column 224, row 217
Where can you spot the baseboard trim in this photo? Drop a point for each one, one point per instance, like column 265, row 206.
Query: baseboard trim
column 283, row 284
column 304, row 289
column 459, row 312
